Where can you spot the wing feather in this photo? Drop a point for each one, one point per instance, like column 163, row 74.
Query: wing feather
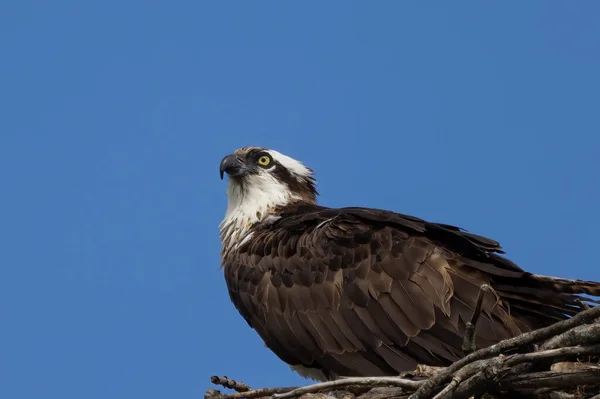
column 414, row 303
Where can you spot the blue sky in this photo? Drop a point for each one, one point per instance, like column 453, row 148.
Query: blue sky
column 115, row 115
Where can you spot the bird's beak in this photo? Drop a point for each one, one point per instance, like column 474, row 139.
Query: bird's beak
column 232, row 165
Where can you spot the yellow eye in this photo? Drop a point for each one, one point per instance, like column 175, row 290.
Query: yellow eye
column 265, row 160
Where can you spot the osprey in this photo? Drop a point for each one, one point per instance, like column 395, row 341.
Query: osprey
column 367, row 292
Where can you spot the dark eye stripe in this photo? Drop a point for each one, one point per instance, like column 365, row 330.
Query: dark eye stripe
column 254, row 156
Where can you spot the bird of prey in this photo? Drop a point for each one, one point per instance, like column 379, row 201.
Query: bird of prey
column 367, row 292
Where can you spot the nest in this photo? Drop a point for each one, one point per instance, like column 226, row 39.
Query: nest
column 555, row 362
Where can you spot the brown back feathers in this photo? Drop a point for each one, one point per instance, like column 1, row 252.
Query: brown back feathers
column 358, row 292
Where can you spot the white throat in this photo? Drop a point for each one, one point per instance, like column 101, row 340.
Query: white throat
column 250, row 203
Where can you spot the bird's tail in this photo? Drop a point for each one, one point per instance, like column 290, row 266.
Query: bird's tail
column 566, row 286
column 542, row 300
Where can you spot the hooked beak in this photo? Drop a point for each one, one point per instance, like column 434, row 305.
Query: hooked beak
column 232, row 165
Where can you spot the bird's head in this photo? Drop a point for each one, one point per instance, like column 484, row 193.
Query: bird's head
column 260, row 181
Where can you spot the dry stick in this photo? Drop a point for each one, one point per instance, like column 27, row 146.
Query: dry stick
column 584, row 306
column 473, row 386
column 355, row 381
column 552, row 354
column 384, row 393
column 257, row 393
column 464, row 374
column 428, row 386
column 448, row 390
column 552, row 379
column 468, row 345
column 581, row 335
column 231, row 384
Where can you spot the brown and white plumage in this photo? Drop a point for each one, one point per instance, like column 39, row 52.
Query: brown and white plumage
column 364, row 292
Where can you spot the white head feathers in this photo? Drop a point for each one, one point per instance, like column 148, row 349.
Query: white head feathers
column 297, row 168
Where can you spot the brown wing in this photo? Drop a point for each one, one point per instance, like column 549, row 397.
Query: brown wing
column 366, row 292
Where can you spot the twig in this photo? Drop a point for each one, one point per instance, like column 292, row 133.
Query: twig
column 552, row 379
column 469, row 345
column 255, row 393
column 581, row 335
column 426, row 389
column 352, row 381
column 583, row 305
column 448, row 390
column 384, row 393
column 237, row 386
column 554, row 354
column 473, row 386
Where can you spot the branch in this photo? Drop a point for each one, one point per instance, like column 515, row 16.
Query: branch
column 353, row 381
column 231, row 384
column 582, row 335
column 552, row 379
column 468, row 345
column 255, row 393
column 554, row 354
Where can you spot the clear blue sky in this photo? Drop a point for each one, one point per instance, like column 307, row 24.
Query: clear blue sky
column 114, row 116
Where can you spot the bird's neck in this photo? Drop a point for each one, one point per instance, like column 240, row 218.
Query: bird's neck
column 247, row 208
